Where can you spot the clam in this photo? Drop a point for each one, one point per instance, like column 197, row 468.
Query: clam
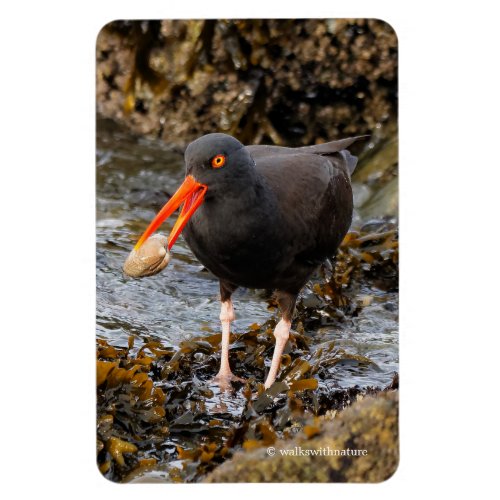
column 152, row 257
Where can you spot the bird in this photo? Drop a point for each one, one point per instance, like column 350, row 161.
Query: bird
column 261, row 217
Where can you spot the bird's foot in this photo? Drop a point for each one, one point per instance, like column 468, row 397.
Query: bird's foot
column 224, row 379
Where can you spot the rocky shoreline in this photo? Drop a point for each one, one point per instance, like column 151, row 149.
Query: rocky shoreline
column 285, row 82
column 291, row 82
column 359, row 445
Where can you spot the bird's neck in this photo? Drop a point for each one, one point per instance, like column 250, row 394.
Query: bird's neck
column 244, row 188
column 247, row 194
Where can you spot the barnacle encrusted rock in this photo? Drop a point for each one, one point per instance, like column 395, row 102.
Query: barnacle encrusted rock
column 360, row 445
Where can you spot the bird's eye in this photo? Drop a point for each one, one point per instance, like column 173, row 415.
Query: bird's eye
column 218, row 161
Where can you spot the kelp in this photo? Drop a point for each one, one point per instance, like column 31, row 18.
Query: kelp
column 366, row 264
column 159, row 411
column 146, row 420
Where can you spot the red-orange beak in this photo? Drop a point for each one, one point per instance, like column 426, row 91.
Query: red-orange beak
column 191, row 193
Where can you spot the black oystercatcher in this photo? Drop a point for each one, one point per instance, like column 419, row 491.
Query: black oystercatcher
column 261, row 217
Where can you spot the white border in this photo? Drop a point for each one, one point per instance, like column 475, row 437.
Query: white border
column 449, row 217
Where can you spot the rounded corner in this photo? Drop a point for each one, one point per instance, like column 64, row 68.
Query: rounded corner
column 102, row 475
column 389, row 26
column 102, row 28
column 391, row 473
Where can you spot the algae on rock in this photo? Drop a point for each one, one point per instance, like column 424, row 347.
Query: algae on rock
column 370, row 424
column 282, row 81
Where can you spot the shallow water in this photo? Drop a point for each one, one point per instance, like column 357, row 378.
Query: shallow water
column 134, row 179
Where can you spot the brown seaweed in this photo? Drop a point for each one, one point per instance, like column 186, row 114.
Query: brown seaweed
column 157, row 407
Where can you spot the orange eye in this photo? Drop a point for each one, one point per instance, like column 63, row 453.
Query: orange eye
column 218, row 161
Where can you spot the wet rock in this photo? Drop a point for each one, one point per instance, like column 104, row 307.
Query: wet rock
column 265, row 81
column 385, row 202
column 370, row 424
column 376, row 177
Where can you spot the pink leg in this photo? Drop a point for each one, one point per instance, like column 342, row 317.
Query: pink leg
column 281, row 333
column 226, row 316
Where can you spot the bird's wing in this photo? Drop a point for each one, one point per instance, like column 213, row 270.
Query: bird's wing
column 315, row 195
column 301, row 178
column 335, row 150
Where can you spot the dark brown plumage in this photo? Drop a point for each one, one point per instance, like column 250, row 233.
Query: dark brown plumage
column 262, row 217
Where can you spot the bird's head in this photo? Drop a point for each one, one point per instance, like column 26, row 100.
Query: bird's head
column 212, row 161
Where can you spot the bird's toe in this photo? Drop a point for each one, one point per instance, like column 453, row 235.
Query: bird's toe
column 224, row 379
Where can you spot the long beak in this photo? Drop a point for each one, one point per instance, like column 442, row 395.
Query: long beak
column 191, row 193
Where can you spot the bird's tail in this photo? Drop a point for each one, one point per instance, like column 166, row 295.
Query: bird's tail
column 337, row 148
column 331, row 147
column 350, row 160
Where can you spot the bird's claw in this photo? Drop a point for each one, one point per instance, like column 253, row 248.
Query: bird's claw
column 224, row 380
